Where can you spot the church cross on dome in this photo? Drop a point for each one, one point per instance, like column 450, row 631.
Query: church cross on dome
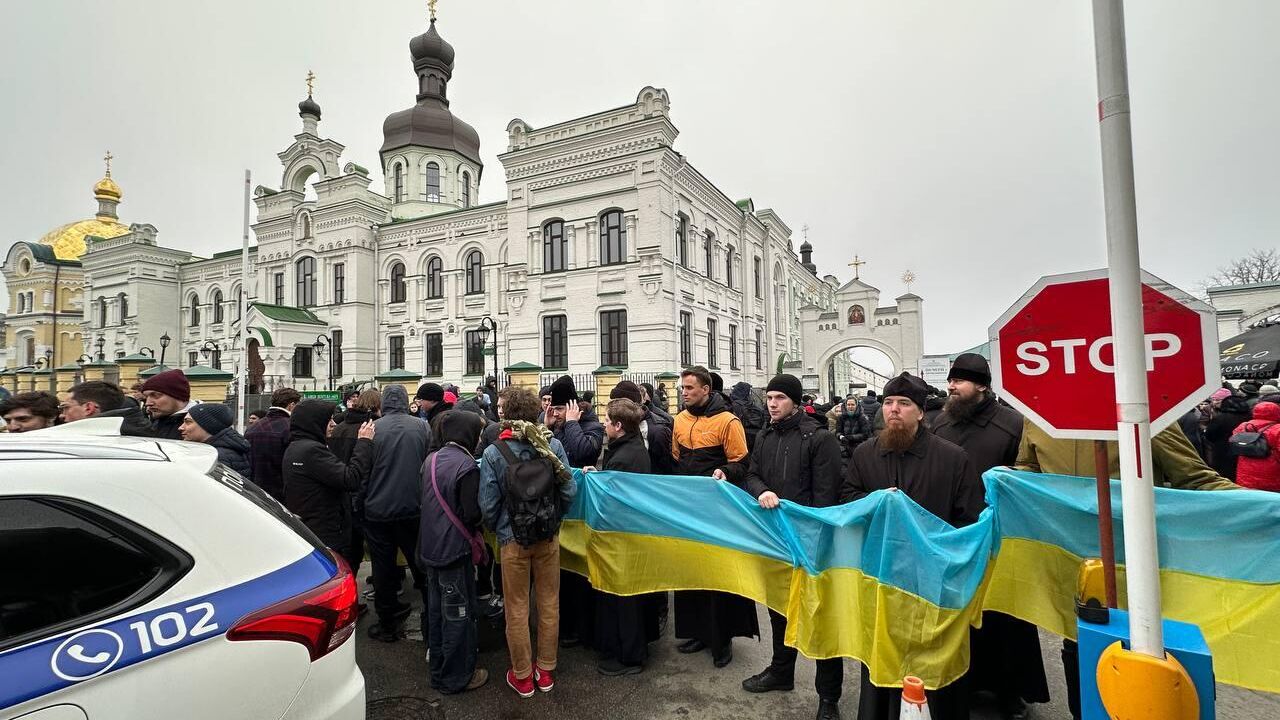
column 431, row 8
column 107, row 159
column 311, row 79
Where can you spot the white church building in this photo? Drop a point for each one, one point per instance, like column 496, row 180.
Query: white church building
column 610, row 249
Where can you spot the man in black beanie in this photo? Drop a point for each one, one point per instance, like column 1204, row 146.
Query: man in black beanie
column 938, row 475
column 1005, row 653
column 797, row 459
column 430, row 400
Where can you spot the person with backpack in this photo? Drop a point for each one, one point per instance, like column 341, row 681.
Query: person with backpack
column 795, row 459
column 450, row 547
column 1231, row 411
column 1256, row 445
column 525, row 487
column 749, row 410
column 852, row 427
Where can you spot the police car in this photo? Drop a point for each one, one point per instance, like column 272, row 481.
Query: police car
column 144, row 580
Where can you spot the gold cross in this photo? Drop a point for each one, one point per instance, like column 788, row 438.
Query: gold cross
column 856, row 265
column 908, row 277
column 431, row 6
column 107, row 158
column 311, row 78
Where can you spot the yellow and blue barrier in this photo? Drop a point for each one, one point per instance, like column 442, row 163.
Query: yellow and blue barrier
column 884, row 581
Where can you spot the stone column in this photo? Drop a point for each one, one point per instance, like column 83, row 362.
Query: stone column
column 593, row 247
column 629, row 222
column 208, row 385
column 524, row 375
column 571, row 240
column 67, row 376
column 607, row 378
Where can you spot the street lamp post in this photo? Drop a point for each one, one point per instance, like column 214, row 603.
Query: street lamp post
column 164, row 345
column 208, row 348
column 323, row 341
column 100, row 344
column 489, row 325
column 148, row 351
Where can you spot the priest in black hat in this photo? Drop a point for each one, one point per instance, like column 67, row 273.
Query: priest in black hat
column 938, row 475
column 1004, row 655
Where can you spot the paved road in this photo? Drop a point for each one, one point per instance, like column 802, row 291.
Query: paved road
column 673, row 686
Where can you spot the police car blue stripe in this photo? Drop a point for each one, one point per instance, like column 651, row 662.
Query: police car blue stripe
column 50, row 665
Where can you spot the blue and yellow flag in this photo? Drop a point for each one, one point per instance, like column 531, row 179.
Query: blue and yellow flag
column 885, row 581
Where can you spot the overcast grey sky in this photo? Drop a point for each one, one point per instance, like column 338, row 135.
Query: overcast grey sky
column 957, row 139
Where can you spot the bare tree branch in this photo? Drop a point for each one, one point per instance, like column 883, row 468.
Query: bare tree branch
column 1257, row 267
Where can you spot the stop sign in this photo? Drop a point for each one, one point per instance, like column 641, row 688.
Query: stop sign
column 1052, row 355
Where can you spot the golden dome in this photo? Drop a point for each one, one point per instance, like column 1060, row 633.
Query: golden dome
column 107, row 189
column 68, row 241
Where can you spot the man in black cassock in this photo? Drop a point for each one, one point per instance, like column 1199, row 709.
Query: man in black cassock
column 935, row 473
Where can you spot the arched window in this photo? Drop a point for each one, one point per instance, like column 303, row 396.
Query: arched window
column 431, row 183
column 398, row 173
column 22, row 302
column 435, row 278
column 195, row 312
column 709, row 250
column 102, row 312
column 554, row 247
column 235, row 304
column 123, row 301
column 728, row 268
column 475, row 272
column 306, row 282
column 682, row 240
column 466, row 189
column 613, row 238
column 398, row 288
column 216, row 301
column 306, row 225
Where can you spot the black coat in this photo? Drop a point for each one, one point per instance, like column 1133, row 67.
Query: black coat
column 581, row 439
column 233, row 451
column 853, row 427
column 658, row 438
column 934, row 472
column 316, row 482
column 626, row 454
column 1233, row 411
column 990, row 436
column 797, row 459
column 134, row 421
column 167, row 427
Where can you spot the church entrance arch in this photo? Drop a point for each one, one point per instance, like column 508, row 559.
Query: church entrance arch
column 866, row 363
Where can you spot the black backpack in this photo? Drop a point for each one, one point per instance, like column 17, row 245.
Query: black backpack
column 532, row 496
column 752, row 413
column 1251, row 443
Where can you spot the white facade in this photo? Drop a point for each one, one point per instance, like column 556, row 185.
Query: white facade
column 1239, row 307
column 603, row 220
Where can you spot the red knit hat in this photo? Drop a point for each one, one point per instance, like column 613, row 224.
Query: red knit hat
column 170, row 382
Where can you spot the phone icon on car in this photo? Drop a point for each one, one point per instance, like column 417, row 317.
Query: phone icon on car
column 76, row 652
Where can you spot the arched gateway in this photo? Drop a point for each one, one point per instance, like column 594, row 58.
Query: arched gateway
column 860, row 321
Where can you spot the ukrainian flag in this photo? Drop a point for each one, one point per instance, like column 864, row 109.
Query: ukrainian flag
column 884, row 581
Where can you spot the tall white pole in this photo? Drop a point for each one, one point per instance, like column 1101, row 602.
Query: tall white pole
column 1133, row 412
column 241, row 412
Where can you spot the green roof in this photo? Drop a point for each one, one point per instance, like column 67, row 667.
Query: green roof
column 100, row 363
column 398, row 374
column 135, row 358
column 266, row 336
column 608, row 369
column 153, row 371
column 227, row 253
column 204, row 372
column 523, row 367
column 68, row 366
column 285, row 313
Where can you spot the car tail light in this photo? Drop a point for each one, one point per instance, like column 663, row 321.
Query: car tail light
column 321, row 618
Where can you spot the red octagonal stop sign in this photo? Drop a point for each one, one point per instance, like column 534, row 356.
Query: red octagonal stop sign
column 1052, row 355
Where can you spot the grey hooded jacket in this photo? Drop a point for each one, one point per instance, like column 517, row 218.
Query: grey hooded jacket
column 400, row 443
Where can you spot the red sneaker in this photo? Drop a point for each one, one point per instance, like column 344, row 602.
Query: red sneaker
column 523, row 688
column 542, row 679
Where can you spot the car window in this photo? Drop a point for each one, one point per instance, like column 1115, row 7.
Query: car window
column 69, row 563
column 244, row 488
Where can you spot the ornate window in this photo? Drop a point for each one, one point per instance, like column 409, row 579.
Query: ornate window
column 686, row 339
column 466, row 189
column 395, row 352
column 306, row 269
column 102, row 312
column 759, row 349
column 733, row 347
column 435, row 355
column 555, row 246
column 398, row 174
column 613, row 238
column 335, row 353
column 302, row 361
column 728, row 268
column 712, row 340
column 279, row 288
column 340, row 283
column 195, row 311
column 555, row 342
column 217, row 306
column 613, row 338
column 431, row 183
column 398, row 285
column 682, row 240
column 475, row 272
column 123, row 301
column 709, row 249
column 306, row 225
column 755, row 271
column 435, row 278
column 475, row 352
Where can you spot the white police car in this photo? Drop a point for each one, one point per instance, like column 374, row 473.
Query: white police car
column 143, row 580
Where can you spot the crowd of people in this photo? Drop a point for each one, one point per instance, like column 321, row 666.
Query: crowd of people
column 423, row 478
